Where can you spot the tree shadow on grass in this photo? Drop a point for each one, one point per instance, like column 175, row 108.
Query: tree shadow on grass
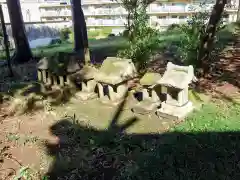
column 84, row 152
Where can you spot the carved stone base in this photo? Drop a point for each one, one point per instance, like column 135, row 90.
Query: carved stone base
column 108, row 95
column 174, row 112
column 145, row 107
column 83, row 96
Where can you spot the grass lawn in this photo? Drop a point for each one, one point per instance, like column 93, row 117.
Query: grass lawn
column 221, row 117
column 108, row 46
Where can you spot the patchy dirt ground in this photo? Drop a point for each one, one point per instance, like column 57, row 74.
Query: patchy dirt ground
column 24, row 137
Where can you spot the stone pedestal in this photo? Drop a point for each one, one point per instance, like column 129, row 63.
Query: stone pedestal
column 174, row 112
column 111, row 94
column 87, row 90
column 42, row 76
column 150, row 101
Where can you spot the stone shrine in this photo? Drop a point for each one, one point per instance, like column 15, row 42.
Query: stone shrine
column 150, row 94
column 84, row 79
column 174, row 84
column 55, row 70
column 112, row 79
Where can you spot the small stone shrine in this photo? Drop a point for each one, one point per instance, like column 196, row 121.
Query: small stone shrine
column 55, row 71
column 150, row 94
column 112, row 79
column 174, row 84
column 84, row 78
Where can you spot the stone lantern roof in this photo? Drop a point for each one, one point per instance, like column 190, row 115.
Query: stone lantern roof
column 115, row 71
column 177, row 76
column 150, row 79
column 43, row 64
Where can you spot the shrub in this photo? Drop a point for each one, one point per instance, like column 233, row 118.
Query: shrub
column 111, row 35
column 173, row 27
column 125, row 33
column 64, row 34
column 143, row 40
column 192, row 32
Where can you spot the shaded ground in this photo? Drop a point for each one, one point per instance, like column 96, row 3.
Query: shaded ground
column 92, row 147
column 225, row 69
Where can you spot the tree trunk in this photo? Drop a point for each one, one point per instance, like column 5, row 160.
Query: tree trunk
column 207, row 38
column 22, row 50
column 79, row 27
column 238, row 13
column 6, row 42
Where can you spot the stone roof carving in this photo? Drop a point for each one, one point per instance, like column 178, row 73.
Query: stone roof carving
column 86, row 73
column 177, row 76
column 150, row 79
column 116, row 70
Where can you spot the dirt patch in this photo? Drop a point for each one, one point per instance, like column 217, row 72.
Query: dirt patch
column 23, row 138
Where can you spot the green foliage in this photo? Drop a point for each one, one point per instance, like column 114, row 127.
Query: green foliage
column 173, row 27
column 213, row 117
column 64, row 34
column 143, row 40
column 93, row 34
column 192, row 33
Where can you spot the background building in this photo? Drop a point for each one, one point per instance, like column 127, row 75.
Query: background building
column 107, row 13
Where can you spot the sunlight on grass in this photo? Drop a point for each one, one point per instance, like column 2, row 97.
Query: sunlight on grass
column 212, row 117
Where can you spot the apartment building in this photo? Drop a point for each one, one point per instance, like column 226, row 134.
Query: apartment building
column 109, row 13
column 101, row 13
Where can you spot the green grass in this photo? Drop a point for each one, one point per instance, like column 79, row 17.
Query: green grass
column 213, row 117
column 109, row 46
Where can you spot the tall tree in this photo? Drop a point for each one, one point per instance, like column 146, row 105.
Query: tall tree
column 131, row 7
column 79, row 27
column 22, row 50
column 207, row 39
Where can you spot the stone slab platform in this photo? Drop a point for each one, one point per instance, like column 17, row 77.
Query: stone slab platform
column 100, row 116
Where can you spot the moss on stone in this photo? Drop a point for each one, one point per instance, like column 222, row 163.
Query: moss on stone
column 150, row 79
column 109, row 67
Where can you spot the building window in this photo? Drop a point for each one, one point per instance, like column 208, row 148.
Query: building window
column 182, row 17
column 161, row 17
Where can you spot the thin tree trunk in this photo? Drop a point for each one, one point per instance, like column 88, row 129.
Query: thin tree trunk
column 22, row 50
column 207, row 40
column 79, row 27
column 6, row 42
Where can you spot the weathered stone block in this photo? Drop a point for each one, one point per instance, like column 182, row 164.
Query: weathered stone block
column 173, row 112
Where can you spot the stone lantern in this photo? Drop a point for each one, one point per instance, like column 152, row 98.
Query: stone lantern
column 55, row 70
